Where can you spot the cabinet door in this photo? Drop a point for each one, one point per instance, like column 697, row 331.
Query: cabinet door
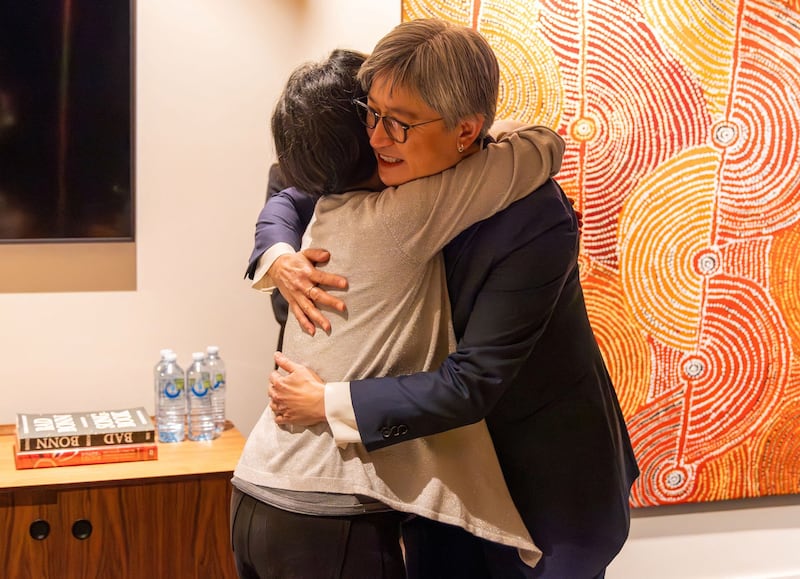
column 143, row 530
column 178, row 529
column 22, row 556
column 54, row 534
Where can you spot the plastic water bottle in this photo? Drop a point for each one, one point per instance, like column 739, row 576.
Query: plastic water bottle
column 170, row 400
column 216, row 369
column 198, row 391
column 157, row 371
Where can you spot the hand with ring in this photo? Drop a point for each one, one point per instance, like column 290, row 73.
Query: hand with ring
column 297, row 396
column 299, row 281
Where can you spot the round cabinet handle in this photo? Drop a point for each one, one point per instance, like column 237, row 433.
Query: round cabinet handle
column 81, row 529
column 39, row 529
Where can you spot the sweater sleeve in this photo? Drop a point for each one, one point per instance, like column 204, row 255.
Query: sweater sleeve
column 422, row 216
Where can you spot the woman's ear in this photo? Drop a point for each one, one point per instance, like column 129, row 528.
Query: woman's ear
column 470, row 129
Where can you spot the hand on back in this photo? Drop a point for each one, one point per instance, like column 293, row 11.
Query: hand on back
column 295, row 275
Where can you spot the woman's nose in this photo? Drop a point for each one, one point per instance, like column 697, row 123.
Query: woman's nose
column 379, row 137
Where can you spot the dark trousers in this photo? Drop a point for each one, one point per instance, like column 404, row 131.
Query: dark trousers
column 270, row 543
column 438, row 551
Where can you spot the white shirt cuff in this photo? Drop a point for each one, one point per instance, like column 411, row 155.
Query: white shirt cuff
column 262, row 281
column 340, row 414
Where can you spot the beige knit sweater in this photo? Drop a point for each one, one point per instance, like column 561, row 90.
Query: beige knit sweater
column 398, row 322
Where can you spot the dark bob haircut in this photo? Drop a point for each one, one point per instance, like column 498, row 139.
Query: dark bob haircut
column 321, row 143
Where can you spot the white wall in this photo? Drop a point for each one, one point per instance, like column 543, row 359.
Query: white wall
column 209, row 72
column 745, row 539
column 208, row 75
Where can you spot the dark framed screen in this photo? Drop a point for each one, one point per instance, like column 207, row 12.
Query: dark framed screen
column 66, row 120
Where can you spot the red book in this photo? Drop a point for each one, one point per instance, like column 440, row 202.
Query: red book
column 86, row 455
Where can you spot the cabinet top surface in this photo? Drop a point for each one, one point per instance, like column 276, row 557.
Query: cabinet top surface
column 181, row 459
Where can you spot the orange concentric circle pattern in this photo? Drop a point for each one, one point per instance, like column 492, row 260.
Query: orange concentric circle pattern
column 682, row 122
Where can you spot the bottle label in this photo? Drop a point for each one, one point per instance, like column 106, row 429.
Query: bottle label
column 173, row 388
column 219, row 381
column 198, row 387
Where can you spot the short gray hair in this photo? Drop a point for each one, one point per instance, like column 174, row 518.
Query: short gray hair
column 452, row 68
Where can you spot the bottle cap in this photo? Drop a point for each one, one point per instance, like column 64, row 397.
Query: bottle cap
column 212, row 350
column 164, row 352
column 170, row 356
column 198, row 355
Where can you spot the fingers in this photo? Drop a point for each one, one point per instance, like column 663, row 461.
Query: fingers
column 275, row 384
column 316, row 255
column 317, row 278
column 328, row 279
column 297, row 393
column 298, row 281
column 319, row 296
column 307, row 314
column 299, row 312
column 316, row 316
column 284, row 363
column 282, row 416
column 323, row 278
column 276, row 403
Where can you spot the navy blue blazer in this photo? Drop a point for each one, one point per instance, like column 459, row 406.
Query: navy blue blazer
column 528, row 362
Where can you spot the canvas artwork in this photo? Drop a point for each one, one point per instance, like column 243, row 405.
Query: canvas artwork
column 682, row 119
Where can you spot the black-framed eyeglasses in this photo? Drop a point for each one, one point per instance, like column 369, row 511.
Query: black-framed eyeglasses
column 397, row 130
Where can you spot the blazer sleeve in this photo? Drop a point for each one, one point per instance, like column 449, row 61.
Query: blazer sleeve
column 283, row 219
column 510, row 311
column 275, row 181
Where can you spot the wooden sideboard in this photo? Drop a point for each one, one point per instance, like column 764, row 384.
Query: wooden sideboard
column 148, row 519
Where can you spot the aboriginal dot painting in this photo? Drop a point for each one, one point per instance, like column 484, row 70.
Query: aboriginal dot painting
column 682, row 119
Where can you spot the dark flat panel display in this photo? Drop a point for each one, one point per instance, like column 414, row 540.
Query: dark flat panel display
column 66, row 112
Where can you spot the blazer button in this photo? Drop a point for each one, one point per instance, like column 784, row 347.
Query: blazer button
column 393, row 431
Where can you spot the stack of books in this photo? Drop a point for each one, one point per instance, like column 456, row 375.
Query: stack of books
column 76, row 438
